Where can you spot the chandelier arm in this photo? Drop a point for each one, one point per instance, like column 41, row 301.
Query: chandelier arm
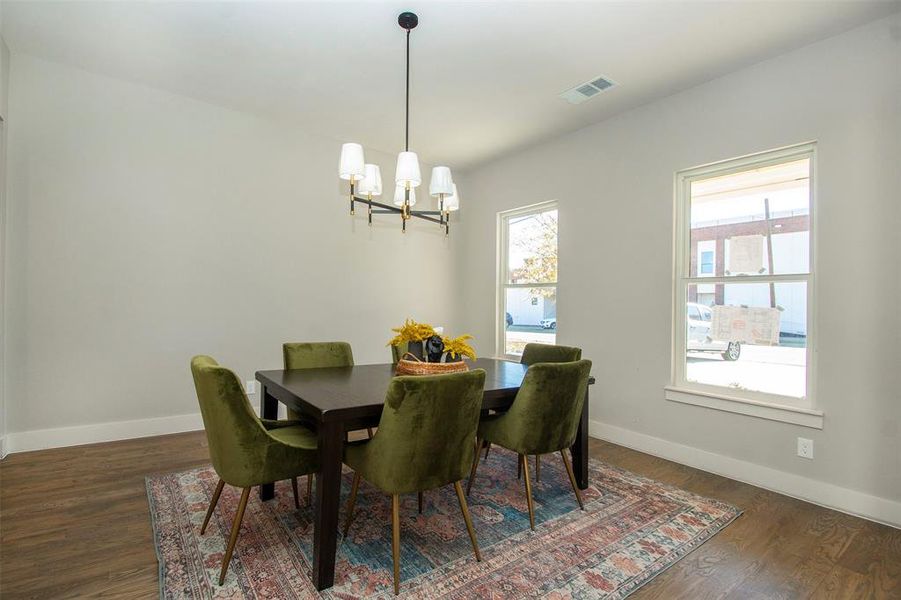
column 383, row 209
column 412, row 213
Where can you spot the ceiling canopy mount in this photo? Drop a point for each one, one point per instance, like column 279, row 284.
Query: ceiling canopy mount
column 408, row 20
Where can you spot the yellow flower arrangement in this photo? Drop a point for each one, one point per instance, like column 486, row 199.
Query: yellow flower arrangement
column 411, row 331
column 458, row 347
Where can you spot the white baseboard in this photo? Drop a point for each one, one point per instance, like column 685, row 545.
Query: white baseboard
column 41, row 439
column 881, row 510
column 3, row 451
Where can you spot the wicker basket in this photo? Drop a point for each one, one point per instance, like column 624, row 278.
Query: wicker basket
column 414, row 366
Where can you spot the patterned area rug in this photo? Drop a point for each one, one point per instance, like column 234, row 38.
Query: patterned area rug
column 633, row 528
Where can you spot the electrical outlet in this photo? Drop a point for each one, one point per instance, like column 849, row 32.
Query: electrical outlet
column 251, row 387
column 805, row 448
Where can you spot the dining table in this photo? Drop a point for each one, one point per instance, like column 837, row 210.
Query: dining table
column 336, row 400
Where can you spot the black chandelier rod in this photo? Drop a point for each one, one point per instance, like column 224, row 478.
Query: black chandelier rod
column 408, row 21
column 407, row 125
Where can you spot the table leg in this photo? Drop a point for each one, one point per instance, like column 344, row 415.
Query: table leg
column 580, row 448
column 326, row 501
column 268, row 410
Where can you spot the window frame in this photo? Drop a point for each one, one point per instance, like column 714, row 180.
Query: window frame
column 800, row 411
column 501, row 284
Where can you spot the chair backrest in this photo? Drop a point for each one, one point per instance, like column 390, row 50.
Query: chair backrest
column 536, row 353
column 426, row 435
column 395, row 354
column 317, row 355
column 545, row 415
column 234, row 433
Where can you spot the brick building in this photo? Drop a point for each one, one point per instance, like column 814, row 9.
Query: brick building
column 710, row 243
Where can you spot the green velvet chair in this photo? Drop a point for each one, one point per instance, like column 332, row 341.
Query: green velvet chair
column 543, row 418
column 536, row 353
column 316, row 355
column 424, row 441
column 245, row 450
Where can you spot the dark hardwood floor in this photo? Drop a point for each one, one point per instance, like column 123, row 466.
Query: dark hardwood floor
column 74, row 523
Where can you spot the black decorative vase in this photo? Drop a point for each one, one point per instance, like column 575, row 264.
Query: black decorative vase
column 415, row 348
column 434, row 348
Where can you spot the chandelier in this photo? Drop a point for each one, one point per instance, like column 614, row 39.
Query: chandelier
column 366, row 179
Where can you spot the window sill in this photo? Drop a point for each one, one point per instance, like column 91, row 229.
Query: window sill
column 805, row 417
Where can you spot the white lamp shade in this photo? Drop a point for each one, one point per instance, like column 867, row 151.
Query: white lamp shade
column 452, row 202
column 371, row 182
column 351, row 163
column 407, row 169
column 441, row 182
column 399, row 196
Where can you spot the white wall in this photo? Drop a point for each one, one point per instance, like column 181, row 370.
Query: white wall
column 4, row 78
column 147, row 227
column 614, row 184
column 4, row 119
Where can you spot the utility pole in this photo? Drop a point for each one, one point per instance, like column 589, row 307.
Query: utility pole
column 769, row 249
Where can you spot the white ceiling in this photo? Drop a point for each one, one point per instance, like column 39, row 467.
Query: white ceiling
column 485, row 75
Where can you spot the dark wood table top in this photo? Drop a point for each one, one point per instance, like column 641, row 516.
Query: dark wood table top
column 359, row 391
column 341, row 393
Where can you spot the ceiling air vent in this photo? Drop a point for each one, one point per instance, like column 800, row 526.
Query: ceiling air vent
column 587, row 90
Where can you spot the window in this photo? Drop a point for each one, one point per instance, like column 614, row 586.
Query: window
column 527, row 278
column 744, row 326
column 707, row 262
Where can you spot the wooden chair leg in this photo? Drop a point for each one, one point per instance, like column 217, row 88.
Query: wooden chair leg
column 213, row 502
column 294, row 489
column 518, row 468
column 475, row 465
column 487, row 448
column 369, row 431
column 572, row 478
column 537, row 468
column 395, row 540
column 523, row 459
column 419, row 497
column 465, row 509
column 351, row 501
column 233, row 538
column 310, row 489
